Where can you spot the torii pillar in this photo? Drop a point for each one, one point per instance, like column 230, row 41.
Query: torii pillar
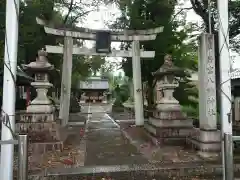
column 133, row 36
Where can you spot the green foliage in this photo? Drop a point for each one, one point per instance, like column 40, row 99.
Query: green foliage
column 115, row 81
column 145, row 14
column 118, row 102
column 201, row 8
column 32, row 36
column 96, row 63
column 234, row 9
column 81, row 69
column 121, row 93
column 192, row 112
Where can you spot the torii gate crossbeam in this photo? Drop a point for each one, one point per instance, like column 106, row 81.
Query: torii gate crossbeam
column 68, row 50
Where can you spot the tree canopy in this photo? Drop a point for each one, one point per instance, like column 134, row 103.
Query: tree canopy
column 201, row 8
column 32, row 36
column 145, row 14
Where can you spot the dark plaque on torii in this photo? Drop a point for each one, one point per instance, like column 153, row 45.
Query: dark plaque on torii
column 103, row 42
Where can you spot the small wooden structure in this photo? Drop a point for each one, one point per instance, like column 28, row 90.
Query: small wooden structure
column 94, row 89
column 23, row 85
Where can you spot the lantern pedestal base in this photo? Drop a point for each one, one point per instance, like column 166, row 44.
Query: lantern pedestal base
column 208, row 142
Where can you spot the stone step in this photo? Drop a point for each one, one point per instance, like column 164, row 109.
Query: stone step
column 179, row 132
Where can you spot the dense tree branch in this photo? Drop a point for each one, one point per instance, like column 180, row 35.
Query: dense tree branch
column 179, row 12
column 69, row 12
column 80, row 15
column 201, row 10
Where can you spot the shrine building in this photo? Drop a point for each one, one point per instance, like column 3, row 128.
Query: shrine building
column 94, row 90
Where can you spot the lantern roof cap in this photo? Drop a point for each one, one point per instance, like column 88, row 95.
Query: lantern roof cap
column 168, row 68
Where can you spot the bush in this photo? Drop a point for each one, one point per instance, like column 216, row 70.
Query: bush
column 74, row 105
column 191, row 111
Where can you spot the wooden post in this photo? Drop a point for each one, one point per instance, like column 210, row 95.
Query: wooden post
column 66, row 80
column 137, row 83
column 28, row 96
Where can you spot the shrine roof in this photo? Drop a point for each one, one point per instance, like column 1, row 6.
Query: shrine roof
column 100, row 78
column 94, row 82
column 22, row 77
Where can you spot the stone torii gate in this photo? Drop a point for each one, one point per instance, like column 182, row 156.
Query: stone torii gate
column 68, row 50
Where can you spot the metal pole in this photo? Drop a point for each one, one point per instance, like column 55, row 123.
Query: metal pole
column 209, row 17
column 228, row 149
column 22, row 157
column 224, row 58
column 9, row 90
column 137, row 83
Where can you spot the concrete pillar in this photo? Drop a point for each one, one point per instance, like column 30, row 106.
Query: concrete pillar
column 66, row 80
column 208, row 136
column 137, row 83
column 207, row 90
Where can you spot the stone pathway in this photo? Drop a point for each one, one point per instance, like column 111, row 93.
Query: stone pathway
column 105, row 143
column 118, row 150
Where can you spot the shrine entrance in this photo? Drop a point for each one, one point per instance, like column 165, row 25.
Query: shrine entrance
column 103, row 41
column 94, row 90
column 93, row 96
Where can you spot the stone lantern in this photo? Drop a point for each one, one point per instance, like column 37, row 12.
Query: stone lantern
column 39, row 119
column 40, row 68
column 168, row 121
column 83, row 98
column 104, row 100
column 166, row 84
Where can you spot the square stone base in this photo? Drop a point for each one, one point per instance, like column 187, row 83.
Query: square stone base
column 168, row 131
column 28, row 117
column 208, row 142
column 170, row 123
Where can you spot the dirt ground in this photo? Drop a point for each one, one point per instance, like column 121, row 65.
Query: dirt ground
column 111, row 141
